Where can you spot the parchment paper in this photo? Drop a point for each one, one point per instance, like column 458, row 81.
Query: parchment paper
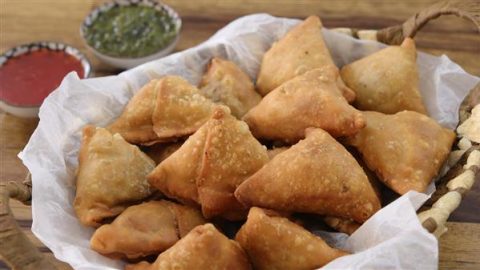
column 391, row 239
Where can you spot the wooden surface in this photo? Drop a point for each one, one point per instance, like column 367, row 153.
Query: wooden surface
column 22, row 21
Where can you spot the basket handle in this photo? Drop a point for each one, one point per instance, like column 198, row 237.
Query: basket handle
column 460, row 179
column 468, row 9
column 16, row 249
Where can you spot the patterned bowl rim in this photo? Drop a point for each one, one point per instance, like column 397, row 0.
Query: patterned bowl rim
column 92, row 16
column 51, row 46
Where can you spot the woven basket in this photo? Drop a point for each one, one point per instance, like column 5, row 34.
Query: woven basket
column 464, row 160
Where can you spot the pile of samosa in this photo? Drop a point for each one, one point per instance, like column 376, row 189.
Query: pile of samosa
column 305, row 138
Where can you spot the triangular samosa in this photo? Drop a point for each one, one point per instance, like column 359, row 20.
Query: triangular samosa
column 202, row 248
column 163, row 110
column 181, row 108
column 176, row 175
column 274, row 242
column 226, row 83
column 300, row 50
column 210, row 165
column 317, row 175
column 308, row 100
column 135, row 123
column 111, row 176
column 145, row 229
column 406, row 150
column 386, row 81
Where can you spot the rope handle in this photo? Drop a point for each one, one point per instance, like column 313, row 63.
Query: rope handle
column 16, row 249
column 464, row 162
column 468, row 9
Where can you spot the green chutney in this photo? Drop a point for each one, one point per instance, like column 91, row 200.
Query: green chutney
column 131, row 31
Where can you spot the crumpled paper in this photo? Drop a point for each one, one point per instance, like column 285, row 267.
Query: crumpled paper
column 392, row 239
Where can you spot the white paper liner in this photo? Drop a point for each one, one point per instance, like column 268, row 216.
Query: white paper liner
column 392, row 239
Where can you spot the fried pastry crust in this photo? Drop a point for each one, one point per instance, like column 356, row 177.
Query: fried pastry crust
column 162, row 111
column 202, row 248
column 309, row 100
column 386, row 81
column 145, row 229
column 210, row 165
column 300, row 50
column 274, row 242
column 406, row 150
column 225, row 83
column 111, row 176
column 317, row 175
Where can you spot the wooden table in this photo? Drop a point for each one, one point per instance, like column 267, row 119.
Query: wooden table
column 22, row 21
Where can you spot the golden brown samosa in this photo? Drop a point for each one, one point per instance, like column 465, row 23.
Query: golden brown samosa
column 181, row 108
column 386, row 81
column 210, row 165
column 346, row 225
column 176, row 175
column 145, row 229
column 300, row 50
column 316, row 175
column 309, row 100
column 202, row 248
column 224, row 82
column 135, row 123
column 274, row 242
column 163, row 110
column 111, row 176
column 406, row 150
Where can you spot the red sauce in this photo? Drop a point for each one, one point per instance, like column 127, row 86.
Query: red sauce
column 27, row 79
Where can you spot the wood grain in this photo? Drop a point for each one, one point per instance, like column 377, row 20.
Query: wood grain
column 459, row 247
column 23, row 21
column 445, row 35
column 14, row 135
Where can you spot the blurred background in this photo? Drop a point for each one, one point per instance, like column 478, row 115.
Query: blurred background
column 23, row 21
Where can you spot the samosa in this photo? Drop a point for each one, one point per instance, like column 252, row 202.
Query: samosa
column 111, row 176
column 386, row 81
column 225, row 83
column 135, row 123
column 317, row 175
column 163, row 110
column 210, row 165
column 274, row 242
column 300, row 50
column 406, row 150
column 202, row 248
column 145, row 229
column 181, row 108
column 309, row 100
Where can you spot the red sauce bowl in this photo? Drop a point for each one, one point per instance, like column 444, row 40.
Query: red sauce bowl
column 30, row 72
